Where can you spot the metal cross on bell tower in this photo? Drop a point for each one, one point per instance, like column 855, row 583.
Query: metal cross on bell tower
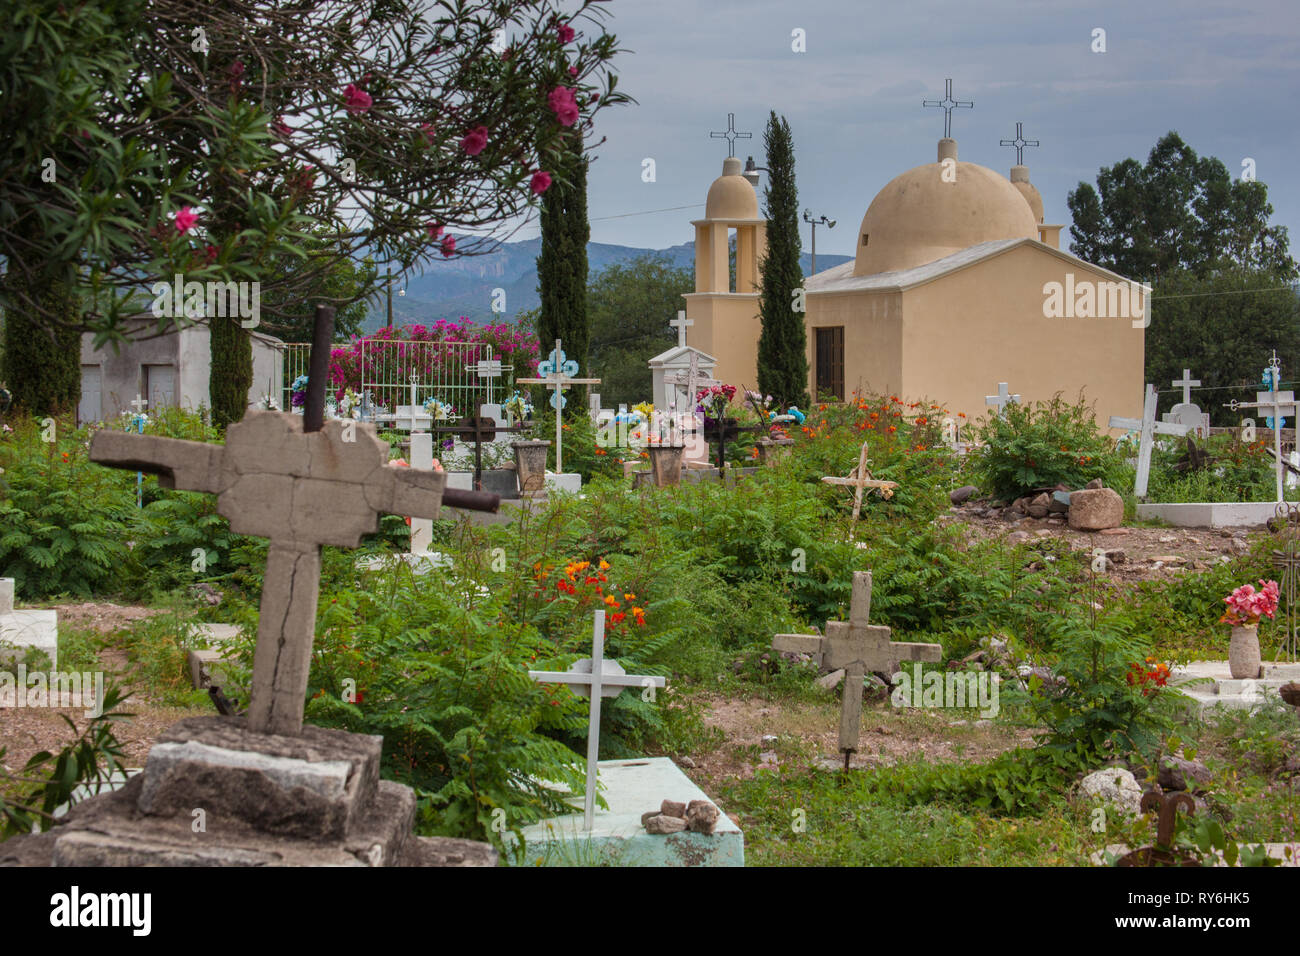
column 1019, row 143
column 731, row 135
column 948, row 104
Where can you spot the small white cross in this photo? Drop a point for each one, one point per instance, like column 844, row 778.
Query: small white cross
column 595, row 677
column 1001, row 399
column 1187, row 382
column 681, row 324
column 1147, row 428
column 140, row 404
column 1282, row 404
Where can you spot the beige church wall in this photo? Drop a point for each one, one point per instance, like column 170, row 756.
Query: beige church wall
column 972, row 329
column 873, row 339
column 726, row 327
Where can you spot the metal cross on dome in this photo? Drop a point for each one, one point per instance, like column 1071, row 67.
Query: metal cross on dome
column 1020, row 143
column 731, row 135
column 948, row 104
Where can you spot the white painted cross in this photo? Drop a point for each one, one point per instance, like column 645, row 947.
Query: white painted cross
column 681, row 324
column 1186, row 383
column 858, row 648
column 595, row 677
column 861, row 479
column 139, row 404
column 1147, row 428
column 558, row 373
column 1001, row 399
column 488, row 368
column 1282, row 405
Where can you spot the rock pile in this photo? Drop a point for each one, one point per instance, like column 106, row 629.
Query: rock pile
column 673, row 816
column 1091, row 508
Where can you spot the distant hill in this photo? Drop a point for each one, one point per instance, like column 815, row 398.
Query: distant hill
column 463, row 286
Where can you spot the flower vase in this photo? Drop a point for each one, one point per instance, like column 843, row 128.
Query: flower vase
column 1243, row 652
column 530, row 465
column 666, row 464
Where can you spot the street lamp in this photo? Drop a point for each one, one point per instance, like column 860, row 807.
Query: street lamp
column 751, row 172
column 829, row 223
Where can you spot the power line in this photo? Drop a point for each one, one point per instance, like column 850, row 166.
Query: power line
column 1194, row 295
column 648, row 212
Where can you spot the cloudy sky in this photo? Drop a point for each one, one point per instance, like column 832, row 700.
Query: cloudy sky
column 1224, row 75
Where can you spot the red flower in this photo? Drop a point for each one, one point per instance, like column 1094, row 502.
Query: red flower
column 355, row 99
column 565, row 33
column 564, row 105
column 540, row 183
column 448, row 246
column 434, row 230
column 185, row 219
column 475, row 140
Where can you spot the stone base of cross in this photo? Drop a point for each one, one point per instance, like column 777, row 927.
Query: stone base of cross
column 595, row 677
column 860, row 480
column 1147, row 427
column 859, row 649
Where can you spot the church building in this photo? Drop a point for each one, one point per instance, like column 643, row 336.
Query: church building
column 957, row 285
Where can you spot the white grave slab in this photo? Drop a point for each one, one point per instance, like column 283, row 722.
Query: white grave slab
column 21, row 629
column 1218, row 688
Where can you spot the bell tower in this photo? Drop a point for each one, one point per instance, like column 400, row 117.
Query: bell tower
column 723, row 308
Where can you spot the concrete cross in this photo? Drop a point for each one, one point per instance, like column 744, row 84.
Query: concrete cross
column 303, row 484
column 139, row 404
column 860, row 478
column 1147, row 427
column 1187, row 382
column 859, row 649
column 681, row 324
column 558, row 373
column 692, row 380
column 487, row 368
column 1002, row 399
column 595, row 677
column 1282, row 405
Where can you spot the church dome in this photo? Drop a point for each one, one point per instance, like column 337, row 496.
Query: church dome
column 919, row 217
column 731, row 196
column 1020, row 179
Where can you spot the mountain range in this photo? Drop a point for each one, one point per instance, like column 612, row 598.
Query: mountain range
column 463, row 286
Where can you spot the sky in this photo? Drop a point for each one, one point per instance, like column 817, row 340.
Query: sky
column 1224, row 75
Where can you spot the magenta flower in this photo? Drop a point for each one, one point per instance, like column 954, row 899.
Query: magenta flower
column 427, row 130
column 434, row 230
column 565, row 33
column 475, row 140
column 355, row 99
column 448, row 246
column 281, row 128
column 185, row 219
column 540, row 183
column 563, row 104
column 573, row 71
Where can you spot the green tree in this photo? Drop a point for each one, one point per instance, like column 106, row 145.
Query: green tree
column 630, row 304
column 782, row 343
column 562, row 266
column 390, row 125
column 1178, row 212
column 338, row 282
column 1224, row 328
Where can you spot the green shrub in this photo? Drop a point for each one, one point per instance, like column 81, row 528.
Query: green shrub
column 1039, row 445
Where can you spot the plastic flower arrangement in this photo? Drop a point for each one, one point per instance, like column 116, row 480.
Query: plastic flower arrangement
column 1246, row 605
column 517, row 407
column 712, row 401
column 439, row 411
column 793, row 412
column 647, row 410
column 298, row 390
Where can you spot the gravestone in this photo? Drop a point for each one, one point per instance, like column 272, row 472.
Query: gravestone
column 1002, row 399
column 272, row 791
column 857, row 648
column 860, row 480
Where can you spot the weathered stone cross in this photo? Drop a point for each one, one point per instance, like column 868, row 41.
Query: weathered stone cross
column 303, row 484
column 595, row 677
column 1147, row 427
column 860, row 649
column 861, row 479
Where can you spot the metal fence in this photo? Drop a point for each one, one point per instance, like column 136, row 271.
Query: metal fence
column 384, row 373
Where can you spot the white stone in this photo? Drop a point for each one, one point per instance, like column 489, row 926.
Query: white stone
column 24, row 628
column 1116, row 786
column 569, row 482
column 1211, row 514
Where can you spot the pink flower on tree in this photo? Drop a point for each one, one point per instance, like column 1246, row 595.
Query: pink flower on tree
column 281, row 128
column 573, row 71
column 434, row 230
column 540, row 183
column 565, row 33
column 448, row 246
column 475, row 140
column 427, row 130
column 355, row 99
column 185, row 219
column 563, row 104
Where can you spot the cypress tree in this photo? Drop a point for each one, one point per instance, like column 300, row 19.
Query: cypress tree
column 562, row 268
column 782, row 343
column 42, row 361
column 231, row 370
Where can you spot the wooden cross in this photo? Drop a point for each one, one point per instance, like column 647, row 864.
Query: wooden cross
column 1002, row 399
column 303, row 484
column 595, row 677
column 1282, row 404
column 478, row 429
column 1147, row 427
column 860, row 478
column 1187, row 382
column 558, row 373
column 681, row 324
column 859, row 649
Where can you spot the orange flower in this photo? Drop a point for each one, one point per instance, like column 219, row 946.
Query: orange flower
column 892, row 429
column 629, row 597
column 611, row 600
column 604, row 565
column 617, row 618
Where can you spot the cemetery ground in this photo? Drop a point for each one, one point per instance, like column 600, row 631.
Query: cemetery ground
column 696, row 580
